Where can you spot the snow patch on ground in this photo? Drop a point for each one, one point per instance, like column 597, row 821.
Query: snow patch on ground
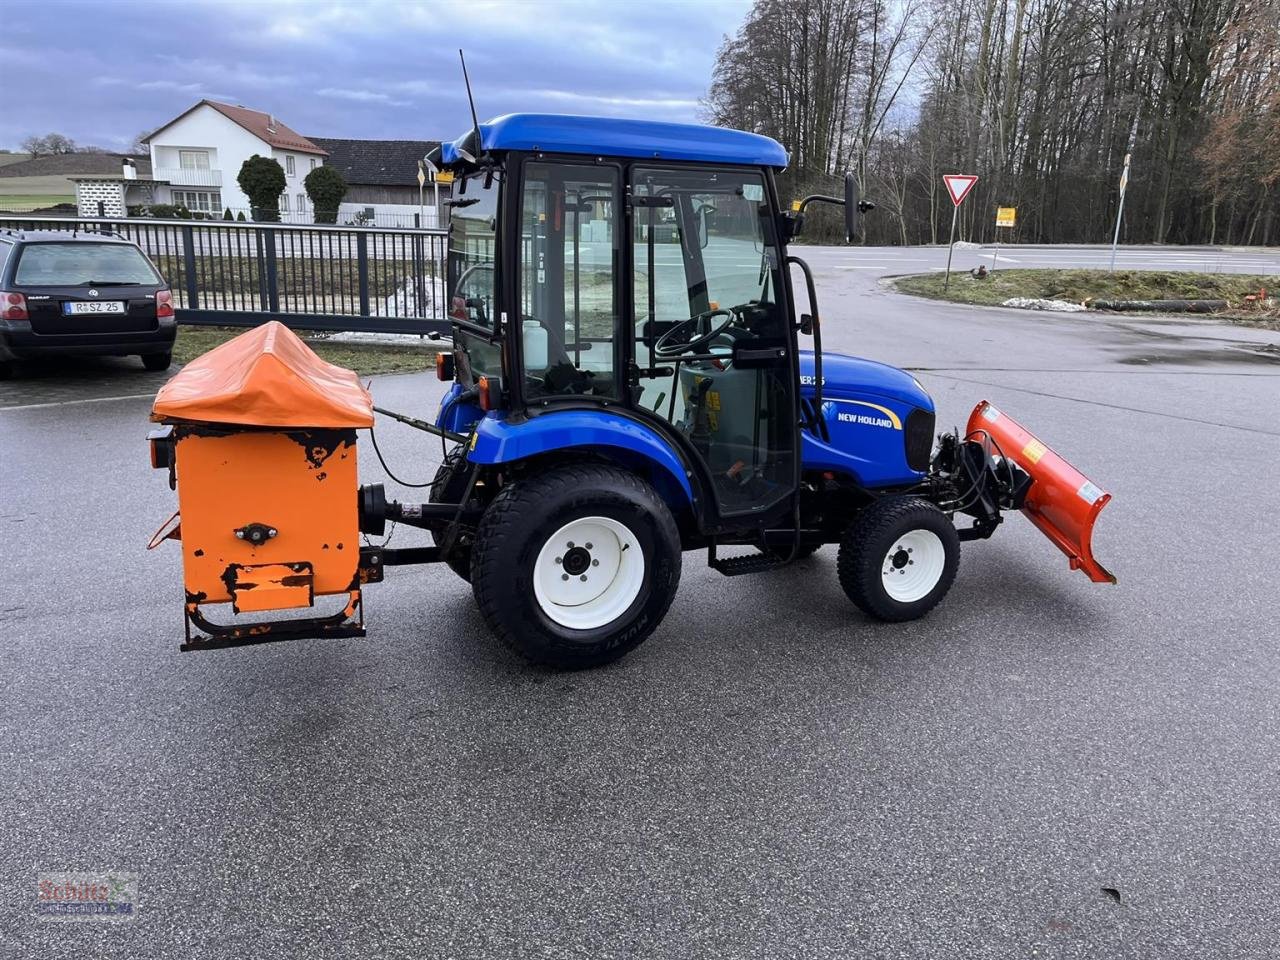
column 1032, row 303
column 424, row 297
column 967, row 245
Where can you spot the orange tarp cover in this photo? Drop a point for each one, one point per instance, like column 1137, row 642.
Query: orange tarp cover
column 266, row 377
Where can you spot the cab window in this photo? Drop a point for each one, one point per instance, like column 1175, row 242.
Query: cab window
column 569, row 296
column 472, row 278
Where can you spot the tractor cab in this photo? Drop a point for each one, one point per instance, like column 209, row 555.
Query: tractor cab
column 633, row 269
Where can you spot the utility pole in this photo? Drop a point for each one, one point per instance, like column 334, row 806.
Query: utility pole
column 1124, row 185
column 1115, row 238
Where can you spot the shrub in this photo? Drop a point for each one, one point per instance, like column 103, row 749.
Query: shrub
column 240, row 216
column 167, row 211
column 326, row 188
column 226, row 214
column 262, row 180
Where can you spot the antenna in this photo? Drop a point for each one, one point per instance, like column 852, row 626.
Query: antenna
column 475, row 121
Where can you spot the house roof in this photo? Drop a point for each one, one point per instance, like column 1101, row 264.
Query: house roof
column 611, row 137
column 264, row 126
column 389, row 163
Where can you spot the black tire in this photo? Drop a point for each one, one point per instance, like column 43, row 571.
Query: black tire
column 449, row 485
column 155, row 362
column 8, row 369
column 524, row 517
column 867, row 556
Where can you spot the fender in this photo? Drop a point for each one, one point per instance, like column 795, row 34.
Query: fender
column 496, row 440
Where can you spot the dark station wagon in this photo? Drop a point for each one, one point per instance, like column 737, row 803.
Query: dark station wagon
column 81, row 293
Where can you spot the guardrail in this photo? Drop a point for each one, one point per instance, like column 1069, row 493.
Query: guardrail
column 309, row 277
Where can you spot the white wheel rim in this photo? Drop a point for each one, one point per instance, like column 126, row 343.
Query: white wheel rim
column 588, row 573
column 913, row 566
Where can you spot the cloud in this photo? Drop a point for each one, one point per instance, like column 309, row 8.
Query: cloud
column 605, row 100
column 362, row 96
column 358, row 68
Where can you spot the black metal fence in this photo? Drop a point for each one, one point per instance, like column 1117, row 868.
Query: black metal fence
column 309, row 277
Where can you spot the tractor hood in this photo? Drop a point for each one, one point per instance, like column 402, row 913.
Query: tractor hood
column 845, row 376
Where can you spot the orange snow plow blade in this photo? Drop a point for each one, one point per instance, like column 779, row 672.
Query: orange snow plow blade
column 1061, row 501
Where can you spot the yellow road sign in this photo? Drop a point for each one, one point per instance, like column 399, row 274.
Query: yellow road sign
column 1006, row 216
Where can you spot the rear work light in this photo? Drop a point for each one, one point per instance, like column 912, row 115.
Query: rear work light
column 164, row 303
column 13, row 306
column 490, row 393
column 444, row 366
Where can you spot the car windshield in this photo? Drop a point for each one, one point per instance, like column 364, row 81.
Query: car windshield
column 81, row 264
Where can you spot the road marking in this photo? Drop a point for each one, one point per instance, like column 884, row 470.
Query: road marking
column 67, row 403
column 861, row 266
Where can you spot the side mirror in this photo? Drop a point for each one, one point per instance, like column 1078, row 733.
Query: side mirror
column 852, row 209
column 704, row 229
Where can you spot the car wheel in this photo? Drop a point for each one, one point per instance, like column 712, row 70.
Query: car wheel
column 157, row 361
column 449, row 485
column 8, row 369
column 899, row 558
column 575, row 567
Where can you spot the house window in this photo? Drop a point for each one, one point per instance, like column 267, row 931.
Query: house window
column 284, row 202
column 288, row 164
column 193, row 159
column 199, row 201
column 313, row 163
column 302, row 202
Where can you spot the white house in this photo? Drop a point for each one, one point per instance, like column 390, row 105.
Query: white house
column 196, row 157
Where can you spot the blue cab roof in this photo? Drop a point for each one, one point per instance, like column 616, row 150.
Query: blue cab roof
column 611, row 137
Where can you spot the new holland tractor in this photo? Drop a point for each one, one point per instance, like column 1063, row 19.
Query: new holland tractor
column 629, row 381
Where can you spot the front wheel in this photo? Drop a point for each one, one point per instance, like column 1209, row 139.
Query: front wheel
column 155, row 362
column 899, row 558
column 575, row 567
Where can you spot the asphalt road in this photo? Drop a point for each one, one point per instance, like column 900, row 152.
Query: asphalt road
column 770, row 775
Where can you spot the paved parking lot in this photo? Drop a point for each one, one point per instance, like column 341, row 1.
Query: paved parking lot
column 771, row 774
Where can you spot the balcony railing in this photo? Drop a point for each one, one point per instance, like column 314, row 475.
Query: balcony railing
column 183, row 177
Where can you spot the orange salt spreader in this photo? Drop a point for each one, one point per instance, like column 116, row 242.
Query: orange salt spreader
column 259, row 439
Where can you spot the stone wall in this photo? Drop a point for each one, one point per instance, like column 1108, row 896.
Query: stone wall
column 109, row 192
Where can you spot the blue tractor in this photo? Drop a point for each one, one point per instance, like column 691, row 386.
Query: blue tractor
column 628, row 383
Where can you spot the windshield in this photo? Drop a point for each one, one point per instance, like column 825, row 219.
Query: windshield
column 80, row 264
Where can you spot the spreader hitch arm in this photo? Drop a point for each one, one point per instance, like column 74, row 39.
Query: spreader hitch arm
column 422, row 425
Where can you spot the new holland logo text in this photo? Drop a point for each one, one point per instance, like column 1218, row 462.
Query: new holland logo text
column 864, row 419
column 869, row 415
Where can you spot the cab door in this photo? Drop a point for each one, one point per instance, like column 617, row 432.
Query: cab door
column 711, row 353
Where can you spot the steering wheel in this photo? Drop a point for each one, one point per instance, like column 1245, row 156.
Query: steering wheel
column 671, row 345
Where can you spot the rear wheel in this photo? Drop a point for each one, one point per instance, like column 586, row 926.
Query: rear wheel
column 449, row 485
column 899, row 558
column 8, row 369
column 577, row 566
column 157, row 361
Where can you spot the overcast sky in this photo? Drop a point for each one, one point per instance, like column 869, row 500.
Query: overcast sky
column 102, row 72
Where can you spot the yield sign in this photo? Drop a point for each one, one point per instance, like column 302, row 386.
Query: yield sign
column 959, row 185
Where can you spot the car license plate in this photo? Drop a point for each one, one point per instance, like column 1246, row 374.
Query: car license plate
column 93, row 306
